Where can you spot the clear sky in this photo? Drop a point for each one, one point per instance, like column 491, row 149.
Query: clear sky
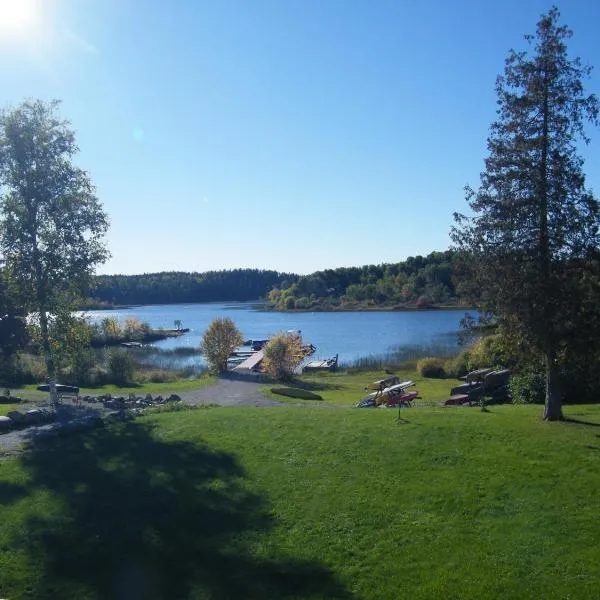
column 286, row 134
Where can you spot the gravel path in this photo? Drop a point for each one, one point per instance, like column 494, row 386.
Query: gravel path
column 231, row 391
column 12, row 441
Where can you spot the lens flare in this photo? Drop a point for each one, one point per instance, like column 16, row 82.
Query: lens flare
column 17, row 15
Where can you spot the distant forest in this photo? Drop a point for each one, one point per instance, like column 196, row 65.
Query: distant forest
column 419, row 281
column 178, row 287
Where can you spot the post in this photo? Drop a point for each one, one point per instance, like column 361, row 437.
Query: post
column 53, row 393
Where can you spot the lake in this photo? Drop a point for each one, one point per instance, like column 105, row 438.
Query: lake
column 352, row 335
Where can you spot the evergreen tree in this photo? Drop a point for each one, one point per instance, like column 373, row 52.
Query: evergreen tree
column 533, row 218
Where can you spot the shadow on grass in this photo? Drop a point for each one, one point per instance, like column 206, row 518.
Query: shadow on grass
column 140, row 518
column 315, row 385
column 580, row 422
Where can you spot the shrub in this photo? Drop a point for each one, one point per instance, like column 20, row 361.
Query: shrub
column 121, row 367
column 459, row 365
column 157, row 376
column 431, row 367
column 282, row 354
column 220, row 339
column 528, row 387
column 486, row 352
column 82, row 363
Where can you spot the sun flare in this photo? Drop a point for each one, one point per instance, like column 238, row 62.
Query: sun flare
column 17, row 15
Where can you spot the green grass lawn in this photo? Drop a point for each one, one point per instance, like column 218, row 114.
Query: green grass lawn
column 348, row 387
column 304, row 503
column 6, row 408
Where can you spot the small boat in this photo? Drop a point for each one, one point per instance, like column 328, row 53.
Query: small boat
column 329, row 364
column 391, row 396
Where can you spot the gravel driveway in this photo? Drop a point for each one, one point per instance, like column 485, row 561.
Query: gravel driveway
column 231, row 391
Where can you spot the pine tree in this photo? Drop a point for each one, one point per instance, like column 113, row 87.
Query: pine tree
column 534, row 222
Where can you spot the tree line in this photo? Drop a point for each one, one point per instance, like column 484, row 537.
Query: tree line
column 180, row 287
column 418, row 280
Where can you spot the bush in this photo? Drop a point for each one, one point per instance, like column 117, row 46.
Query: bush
column 431, row 367
column 81, row 365
column 121, row 367
column 282, row 354
column 220, row 339
column 157, row 376
column 486, row 352
column 459, row 365
column 528, row 388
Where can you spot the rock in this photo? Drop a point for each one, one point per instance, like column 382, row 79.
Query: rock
column 34, row 416
column 174, row 398
column 148, row 398
column 158, row 400
column 5, row 400
column 48, row 415
column 16, row 417
column 5, row 423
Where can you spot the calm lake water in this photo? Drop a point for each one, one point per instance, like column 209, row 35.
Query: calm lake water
column 352, row 335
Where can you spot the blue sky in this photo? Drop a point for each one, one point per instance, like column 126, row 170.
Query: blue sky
column 286, row 134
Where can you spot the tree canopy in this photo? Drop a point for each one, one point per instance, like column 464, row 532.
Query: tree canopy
column 533, row 231
column 51, row 222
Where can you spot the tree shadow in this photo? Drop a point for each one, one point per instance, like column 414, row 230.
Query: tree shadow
column 146, row 519
column 580, row 422
column 316, row 385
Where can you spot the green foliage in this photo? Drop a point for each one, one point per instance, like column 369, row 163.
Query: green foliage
column 488, row 351
column 13, row 334
column 169, row 287
column 528, row 387
column 121, row 367
column 399, row 284
column 431, row 367
column 51, row 223
column 282, row 355
column 220, row 339
column 529, row 250
column 459, row 365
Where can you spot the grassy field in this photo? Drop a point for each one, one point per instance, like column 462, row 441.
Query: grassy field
column 348, row 387
column 306, row 503
column 6, row 408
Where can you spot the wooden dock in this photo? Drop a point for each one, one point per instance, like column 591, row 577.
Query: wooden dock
column 251, row 362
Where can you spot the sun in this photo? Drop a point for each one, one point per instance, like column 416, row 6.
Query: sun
column 17, row 15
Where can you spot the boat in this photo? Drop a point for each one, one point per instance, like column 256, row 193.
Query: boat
column 390, row 396
column 329, row 364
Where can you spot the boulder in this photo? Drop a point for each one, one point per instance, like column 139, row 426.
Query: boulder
column 174, row 398
column 34, row 416
column 16, row 417
column 148, row 398
column 5, row 400
column 5, row 423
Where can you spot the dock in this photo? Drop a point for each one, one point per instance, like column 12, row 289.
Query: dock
column 251, row 362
